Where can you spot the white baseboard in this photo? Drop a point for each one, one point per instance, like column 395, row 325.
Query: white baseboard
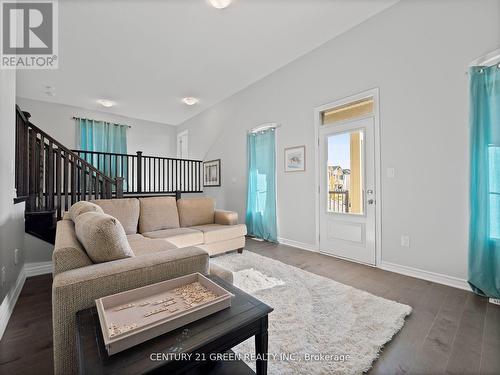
column 452, row 281
column 9, row 302
column 39, row 268
column 300, row 245
column 439, row 278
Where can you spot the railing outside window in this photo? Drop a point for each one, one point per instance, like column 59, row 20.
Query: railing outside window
column 338, row 201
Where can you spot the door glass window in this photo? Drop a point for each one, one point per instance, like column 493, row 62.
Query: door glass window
column 345, row 173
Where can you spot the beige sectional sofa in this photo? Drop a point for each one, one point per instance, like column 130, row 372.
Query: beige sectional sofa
column 182, row 223
column 168, row 239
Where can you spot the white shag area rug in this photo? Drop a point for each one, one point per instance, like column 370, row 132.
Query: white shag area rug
column 314, row 317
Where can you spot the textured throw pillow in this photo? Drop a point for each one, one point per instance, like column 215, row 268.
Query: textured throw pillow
column 126, row 210
column 102, row 236
column 81, row 207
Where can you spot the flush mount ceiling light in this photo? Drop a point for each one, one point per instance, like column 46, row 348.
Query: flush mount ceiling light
column 220, row 4
column 190, row 100
column 106, row 103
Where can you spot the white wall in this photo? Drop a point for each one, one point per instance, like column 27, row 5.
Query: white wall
column 151, row 138
column 417, row 53
column 11, row 216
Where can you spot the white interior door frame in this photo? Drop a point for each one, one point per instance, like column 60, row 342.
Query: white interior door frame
column 375, row 94
column 181, row 135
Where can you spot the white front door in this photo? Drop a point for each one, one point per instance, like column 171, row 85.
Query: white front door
column 347, row 190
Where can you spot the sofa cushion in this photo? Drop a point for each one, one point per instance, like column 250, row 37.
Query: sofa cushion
column 143, row 245
column 102, row 236
column 158, row 213
column 226, row 217
column 180, row 237
column 216, row 232
column 125, row 210
column 196, row 211
column 81, row 207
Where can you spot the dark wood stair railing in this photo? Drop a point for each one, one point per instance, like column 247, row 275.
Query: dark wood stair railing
column 149, row 175
column 50, row 178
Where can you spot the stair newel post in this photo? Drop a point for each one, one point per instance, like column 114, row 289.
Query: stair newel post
column 139, row 172
column 119, row 187
column 108, row 189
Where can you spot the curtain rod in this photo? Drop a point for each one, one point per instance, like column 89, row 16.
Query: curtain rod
column 91, row 119
column 490, row 59
column 262, row 127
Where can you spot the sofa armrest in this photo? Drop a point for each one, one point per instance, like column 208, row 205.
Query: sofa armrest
column 77, row 289
column 226, row 217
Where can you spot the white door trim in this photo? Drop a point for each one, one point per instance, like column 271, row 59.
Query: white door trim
column 375, row 93
column 179, row 135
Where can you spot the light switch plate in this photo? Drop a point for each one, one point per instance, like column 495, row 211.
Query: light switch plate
column 405, row 241
column 391, row 172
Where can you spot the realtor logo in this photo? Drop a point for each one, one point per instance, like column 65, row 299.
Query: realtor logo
column 29, row 34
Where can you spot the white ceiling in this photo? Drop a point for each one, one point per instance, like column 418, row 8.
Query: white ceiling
column 147, row 55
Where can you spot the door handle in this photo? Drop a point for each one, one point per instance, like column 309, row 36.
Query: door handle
column 371, row 201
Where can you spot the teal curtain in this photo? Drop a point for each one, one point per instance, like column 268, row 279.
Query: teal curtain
column 104, row 137
column 484, row 232
column 261, row 194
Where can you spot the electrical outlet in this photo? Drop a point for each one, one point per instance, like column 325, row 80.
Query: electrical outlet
column 391, row 172
column 3, row 275
column 405, row 240
column 16, row 256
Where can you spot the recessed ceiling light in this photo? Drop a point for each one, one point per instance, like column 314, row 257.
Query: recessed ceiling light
column 190, row 100
column 220, row 4
column 106, row 103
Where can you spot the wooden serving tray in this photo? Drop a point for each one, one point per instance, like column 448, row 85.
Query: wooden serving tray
column 132, row 317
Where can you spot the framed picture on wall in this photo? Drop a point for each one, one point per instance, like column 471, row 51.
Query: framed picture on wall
column 295, row 159
column 211, row 173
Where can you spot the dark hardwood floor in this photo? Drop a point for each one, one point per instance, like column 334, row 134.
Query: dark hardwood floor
column 26, row 345
column 450, row 331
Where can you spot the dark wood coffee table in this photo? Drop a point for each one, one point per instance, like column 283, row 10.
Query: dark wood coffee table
column 202, row 343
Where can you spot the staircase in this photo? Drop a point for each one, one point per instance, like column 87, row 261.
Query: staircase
column 50, row 177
